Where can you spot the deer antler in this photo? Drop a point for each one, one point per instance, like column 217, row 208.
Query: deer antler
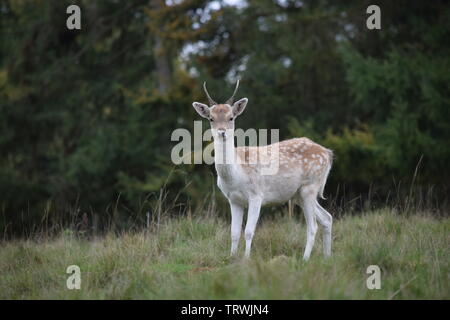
column 211, row 101
column 231, row 99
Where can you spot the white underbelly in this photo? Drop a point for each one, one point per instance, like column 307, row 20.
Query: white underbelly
column 271, row 189
column 279, row 189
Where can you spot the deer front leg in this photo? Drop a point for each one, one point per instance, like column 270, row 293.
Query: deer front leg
column 254, row 207
column 237, row 213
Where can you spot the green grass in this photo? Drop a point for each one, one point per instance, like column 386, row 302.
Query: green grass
column 188, row 259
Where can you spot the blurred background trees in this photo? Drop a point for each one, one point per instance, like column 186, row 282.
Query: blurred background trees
column 86, row 115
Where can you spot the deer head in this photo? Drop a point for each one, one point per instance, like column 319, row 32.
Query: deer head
column 221, row 116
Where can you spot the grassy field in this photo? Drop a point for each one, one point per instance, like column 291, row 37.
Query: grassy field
column 188, row 259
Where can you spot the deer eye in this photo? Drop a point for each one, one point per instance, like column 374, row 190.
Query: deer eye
column 211, row 119
column 231, row 119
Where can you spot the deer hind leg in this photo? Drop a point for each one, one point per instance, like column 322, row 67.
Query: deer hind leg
column 308, row 196
column 326, row 221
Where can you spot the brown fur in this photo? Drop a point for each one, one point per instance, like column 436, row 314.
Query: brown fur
column 293, row 153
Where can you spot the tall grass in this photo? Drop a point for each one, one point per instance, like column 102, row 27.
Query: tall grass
column 406, row 197
column 187, row 258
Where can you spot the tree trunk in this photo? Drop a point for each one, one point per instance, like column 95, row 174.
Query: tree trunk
column 161, row 55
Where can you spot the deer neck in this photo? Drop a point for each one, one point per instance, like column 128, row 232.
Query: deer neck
column 225, row 158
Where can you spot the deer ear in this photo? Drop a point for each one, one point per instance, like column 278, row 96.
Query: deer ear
column 202, row 109
column 239, row 106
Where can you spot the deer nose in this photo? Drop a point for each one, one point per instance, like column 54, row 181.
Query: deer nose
column 221, row 132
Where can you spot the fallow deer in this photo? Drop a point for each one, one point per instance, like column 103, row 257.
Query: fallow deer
column 302, row 170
